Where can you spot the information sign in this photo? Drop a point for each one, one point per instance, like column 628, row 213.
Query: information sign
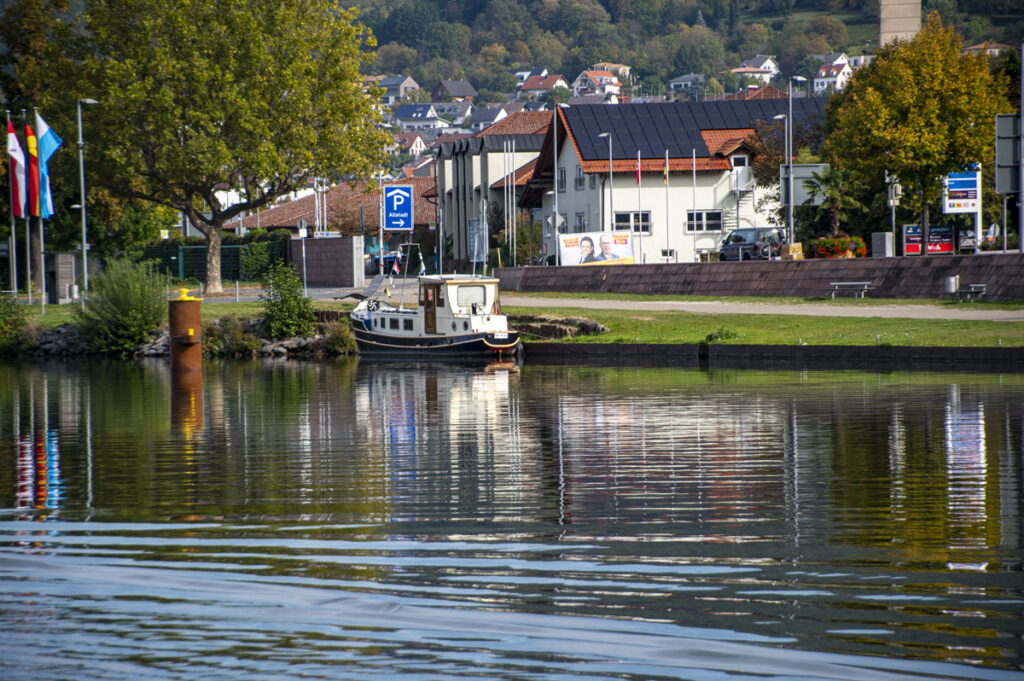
column 962, row 192
column 398, row 215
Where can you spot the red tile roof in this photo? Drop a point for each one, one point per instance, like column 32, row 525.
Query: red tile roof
column 521, row 123
column 343, row 204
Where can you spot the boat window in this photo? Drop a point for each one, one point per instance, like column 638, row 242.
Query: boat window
column 467, row 295
column 407, row 324
column 465, row 326
column 394, row 323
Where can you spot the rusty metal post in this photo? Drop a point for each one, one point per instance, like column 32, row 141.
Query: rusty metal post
column 186, row 332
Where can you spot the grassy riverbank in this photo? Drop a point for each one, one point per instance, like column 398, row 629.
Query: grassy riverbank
column 663, row 326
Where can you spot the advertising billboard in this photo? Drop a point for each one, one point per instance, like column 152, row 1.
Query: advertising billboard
column 940, row 239
column 596, row 248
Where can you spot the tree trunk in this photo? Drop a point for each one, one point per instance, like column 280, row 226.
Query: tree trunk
column 213, row 242
column 924, row 229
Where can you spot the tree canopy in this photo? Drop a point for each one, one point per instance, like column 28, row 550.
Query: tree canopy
column 921, row 110
column 200, row 100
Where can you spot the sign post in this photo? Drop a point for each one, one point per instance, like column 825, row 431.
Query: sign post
column 398, row 213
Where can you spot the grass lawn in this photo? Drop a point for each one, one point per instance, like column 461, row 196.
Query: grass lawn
column 661, row 326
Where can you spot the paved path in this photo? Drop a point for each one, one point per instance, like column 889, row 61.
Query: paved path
column 962, row 312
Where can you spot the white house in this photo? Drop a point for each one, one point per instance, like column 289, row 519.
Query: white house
column 709, row 188
column 486, row 117
column 832, row 77
column 410, row 117
column 596, row 83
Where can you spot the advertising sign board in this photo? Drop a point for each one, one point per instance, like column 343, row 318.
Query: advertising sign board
column 596, row 248
column 940, row 239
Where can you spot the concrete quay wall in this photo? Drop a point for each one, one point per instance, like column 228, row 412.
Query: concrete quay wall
column 905, row 277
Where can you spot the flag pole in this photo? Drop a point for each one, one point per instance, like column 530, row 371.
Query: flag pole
column 639, row 210
column 667, row 229
column 42, row 229
column 13, row 254
column 28, row 220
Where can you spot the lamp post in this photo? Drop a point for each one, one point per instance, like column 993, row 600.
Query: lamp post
column 611, row 203
column 81, row 179
column 789, row 158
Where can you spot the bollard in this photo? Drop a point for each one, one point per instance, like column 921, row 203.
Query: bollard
column 186, row 332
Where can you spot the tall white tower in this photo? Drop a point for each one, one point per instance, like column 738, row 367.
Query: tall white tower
column 900, row 20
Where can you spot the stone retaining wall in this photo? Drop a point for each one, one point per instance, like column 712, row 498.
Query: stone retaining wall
column 906, row 277
column 838, row 357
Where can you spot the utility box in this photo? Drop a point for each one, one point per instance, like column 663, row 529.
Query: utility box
column 793, row 251
column 60, row 278
column 882, row 245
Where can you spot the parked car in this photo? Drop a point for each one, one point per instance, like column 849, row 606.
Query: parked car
column 752, row 243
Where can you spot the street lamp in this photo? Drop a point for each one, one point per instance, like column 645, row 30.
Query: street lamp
column 81, row 179
column 785, row 154
column 789, row 158
column 611, row 203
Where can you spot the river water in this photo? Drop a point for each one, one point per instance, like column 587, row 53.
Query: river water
column 344, row 520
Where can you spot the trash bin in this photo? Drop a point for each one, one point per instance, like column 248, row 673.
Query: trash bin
column 953, row 283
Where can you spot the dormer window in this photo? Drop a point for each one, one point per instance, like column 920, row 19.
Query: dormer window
column 739, row 161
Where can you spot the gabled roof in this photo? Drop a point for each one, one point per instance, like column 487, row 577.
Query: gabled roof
column 598, row 76
column 458, row 88
column 343, row 203
column 708, row 130
column 487, row 115
column 543, row 83
column 409, row 111
column 831, row 70
column 517, row 178
column 521, row 123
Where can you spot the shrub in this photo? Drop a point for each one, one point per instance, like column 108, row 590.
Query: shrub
column 12, row 325
column 229, row 336
column 838, row 246
column 256, row 261
column 286, row 312
column 126, row 304
column 339, row 339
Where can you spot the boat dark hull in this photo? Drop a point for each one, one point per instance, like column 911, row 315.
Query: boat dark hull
column 463, row 345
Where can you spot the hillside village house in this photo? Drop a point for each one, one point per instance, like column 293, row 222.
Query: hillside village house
column 539, row 86
column 596, row 83
column 709, row 189
column 412, row 117
column 395, row 87
column 453, row 90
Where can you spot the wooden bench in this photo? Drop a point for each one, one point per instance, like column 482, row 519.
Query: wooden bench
column 971, row 292
column 859, row 288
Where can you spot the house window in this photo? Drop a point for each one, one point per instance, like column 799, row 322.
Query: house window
column 581, row 223
column 703, row 221
column 593, row 181
column 561, row 179
column 637, row 222
column 581, row 179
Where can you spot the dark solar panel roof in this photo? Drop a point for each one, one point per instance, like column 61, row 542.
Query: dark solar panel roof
column 674, row 126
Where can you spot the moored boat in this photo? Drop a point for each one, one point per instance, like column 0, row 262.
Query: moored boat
column 455, row 316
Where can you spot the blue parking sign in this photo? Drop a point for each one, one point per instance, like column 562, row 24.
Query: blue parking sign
column 398, row 208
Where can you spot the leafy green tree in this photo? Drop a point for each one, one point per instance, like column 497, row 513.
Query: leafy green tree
column 921, row 110
column 198, row 97
column 833, row 187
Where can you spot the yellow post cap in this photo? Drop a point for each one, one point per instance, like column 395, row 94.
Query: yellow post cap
column 183, row 295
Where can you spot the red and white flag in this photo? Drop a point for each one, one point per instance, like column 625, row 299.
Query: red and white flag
column 18, row 194
column 638, row 166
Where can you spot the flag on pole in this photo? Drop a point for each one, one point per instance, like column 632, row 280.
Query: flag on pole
column 33, row 172
column 423, row 267
column 397, row 267
column 638, row 166
column 17, row 172
column 48, row 142
column 666, row 166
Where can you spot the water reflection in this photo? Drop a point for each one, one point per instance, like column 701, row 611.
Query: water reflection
column 841, row 513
